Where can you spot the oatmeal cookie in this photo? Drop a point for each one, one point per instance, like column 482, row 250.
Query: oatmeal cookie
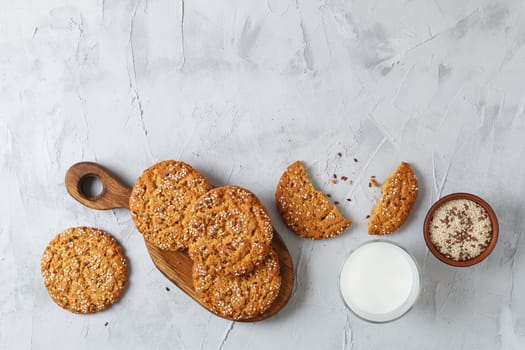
column 398, row 194
column 159, row 200
column 230, row 229
column 304, row 209
column 239, row 297
column 84, row 270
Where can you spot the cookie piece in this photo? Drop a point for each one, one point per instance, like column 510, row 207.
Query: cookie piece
column 160, row 198
column 399, row 192
column 230, row 229
column 239, row 297
column 304, row 209
column 84, row 270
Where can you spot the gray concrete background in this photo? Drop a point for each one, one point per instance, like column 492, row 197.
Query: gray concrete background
column 240, row 89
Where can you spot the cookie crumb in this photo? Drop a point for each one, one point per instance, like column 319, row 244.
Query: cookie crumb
column 334, row 181
column 373, row 182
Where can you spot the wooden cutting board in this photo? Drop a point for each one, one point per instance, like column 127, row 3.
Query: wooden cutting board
column 176, row 266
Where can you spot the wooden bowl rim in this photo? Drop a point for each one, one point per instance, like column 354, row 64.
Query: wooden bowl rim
column 493, row 219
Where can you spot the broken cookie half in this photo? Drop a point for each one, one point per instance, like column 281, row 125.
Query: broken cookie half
column 398, row 194
column 304, row 209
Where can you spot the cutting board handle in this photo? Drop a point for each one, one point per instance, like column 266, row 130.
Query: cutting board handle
column 114, row 194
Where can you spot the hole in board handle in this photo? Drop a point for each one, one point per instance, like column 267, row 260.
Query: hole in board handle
column 91, row 187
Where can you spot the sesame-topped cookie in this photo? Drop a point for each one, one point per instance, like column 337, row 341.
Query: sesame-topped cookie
column 160, row 198
column 84, row 270
column 398, row 194
column 239, row 297
column 304, row 209
column 230, row 229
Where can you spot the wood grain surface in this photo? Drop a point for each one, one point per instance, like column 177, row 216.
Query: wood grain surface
column 176, row 266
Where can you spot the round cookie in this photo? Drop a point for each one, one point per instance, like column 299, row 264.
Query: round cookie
column 229, row 229
column 84, row 270
column 160, row 198
column 239, row 297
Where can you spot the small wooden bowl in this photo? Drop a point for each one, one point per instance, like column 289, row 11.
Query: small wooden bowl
column 493, row 220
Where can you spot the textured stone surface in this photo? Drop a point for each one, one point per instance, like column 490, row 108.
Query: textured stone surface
column 240, row 90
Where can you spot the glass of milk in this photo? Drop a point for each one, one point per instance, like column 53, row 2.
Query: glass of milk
column 380, row 281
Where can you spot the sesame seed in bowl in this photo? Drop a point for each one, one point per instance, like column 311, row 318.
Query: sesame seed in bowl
column 461, row 229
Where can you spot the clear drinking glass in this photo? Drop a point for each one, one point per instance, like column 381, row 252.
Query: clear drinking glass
column 379, row 281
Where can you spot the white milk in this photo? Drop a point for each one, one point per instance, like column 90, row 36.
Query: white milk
column 379, row 281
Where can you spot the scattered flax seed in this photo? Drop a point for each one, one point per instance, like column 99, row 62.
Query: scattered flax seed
column 167, row 289
column 339, row 154
column 460, row 229
column 106, row 324
column 355, row 160
column 344, row 178
column 329, row 195
column 373, row 182
column 336, row 202
column 335, row 176
column 368, row 216
column 348, row 200
column 369, row 184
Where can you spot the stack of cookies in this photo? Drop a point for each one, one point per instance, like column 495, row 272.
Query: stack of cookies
column 226, row 230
